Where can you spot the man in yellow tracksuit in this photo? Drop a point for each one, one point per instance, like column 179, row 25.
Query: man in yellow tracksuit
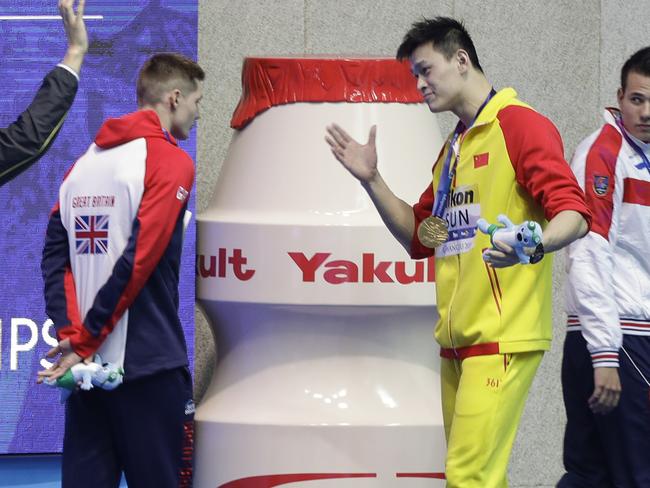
column 495, row 314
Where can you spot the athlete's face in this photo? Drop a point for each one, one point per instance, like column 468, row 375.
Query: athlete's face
column 438, row 78
column 634, row 103
column 186, row 111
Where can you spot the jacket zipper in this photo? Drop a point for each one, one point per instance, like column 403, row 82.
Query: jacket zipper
column 453, row 296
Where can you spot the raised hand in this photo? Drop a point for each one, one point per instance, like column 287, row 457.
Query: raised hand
column 75, row 31
column 360, row 160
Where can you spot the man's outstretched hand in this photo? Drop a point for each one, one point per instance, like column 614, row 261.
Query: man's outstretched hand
column 360, row 160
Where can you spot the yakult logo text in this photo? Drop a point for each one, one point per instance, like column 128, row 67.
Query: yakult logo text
column 218, row 266
column 227, row 264
column 338, row 271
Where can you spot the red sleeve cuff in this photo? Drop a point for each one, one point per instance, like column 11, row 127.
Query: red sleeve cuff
column 65, row 332
column 606, row 358
column 84, row 343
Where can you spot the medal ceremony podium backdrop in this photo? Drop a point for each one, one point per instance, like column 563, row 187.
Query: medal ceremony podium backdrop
column 328, row 372
column 123, row 33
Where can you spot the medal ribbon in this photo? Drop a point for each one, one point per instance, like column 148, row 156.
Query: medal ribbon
column 634, row 145
column 447, row 174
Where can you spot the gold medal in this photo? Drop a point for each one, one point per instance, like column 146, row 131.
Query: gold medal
column 433, row 231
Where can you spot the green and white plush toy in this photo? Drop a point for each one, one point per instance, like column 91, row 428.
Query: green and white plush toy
column 107, row 376
column 526, row 234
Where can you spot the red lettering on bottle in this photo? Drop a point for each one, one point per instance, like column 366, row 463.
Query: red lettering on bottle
column 370, row 271
column 238, row 261
column 334, row 272
column 206, row 272
column 222, row 262
column 342, row 272
column 431, row 269
column 404, row 278
column 309, row 266
column 218, row 265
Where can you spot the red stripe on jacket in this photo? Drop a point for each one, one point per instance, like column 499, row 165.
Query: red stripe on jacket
column 70, row 328
column 636, row 191
column 601, row 162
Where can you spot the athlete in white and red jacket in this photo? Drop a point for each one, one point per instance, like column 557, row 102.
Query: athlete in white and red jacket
column 608, row 292
column 111, row 270
column 606, row 364
column 113, row 247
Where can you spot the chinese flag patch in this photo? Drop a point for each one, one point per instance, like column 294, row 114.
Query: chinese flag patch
column 481, row 160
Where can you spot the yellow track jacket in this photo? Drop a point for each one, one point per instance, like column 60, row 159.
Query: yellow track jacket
column 511, row 161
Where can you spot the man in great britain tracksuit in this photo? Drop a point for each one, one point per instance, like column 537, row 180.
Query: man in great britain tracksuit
column 606, row 364
column 111, row 269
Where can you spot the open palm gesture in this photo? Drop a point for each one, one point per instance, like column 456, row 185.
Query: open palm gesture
column 360, row 160
column 73, row 24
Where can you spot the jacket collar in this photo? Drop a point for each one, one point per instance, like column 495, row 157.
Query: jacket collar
column 503, row 98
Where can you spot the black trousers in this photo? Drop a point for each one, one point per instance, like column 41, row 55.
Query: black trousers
column 612, row 450
column 144, row 428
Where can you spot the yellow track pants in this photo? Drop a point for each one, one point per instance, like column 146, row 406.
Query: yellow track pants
column 482, row 401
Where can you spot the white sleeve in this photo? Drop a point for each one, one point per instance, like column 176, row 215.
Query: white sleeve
column 590, row 263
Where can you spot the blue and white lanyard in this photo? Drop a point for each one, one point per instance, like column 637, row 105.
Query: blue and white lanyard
column 645, row 163
column 447, row 174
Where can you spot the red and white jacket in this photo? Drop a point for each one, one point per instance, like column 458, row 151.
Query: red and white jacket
column 113, row 247
column 608, row 288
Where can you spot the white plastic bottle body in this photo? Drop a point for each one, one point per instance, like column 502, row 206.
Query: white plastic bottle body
column 328, row 372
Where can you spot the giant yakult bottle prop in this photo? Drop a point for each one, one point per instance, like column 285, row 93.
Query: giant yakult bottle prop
column 328, row 373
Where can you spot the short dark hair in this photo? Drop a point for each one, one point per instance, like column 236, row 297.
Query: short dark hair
column 161, row 69
column 639, row 63
column 447, row 36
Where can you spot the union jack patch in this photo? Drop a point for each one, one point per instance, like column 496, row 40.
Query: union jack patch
column 601, row 185
column 181, row 194
column 91, row 234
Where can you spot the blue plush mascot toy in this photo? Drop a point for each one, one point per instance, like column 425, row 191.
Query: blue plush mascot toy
column 526, row 234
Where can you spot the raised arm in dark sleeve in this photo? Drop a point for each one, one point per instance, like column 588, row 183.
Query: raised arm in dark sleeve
column 27, row 139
